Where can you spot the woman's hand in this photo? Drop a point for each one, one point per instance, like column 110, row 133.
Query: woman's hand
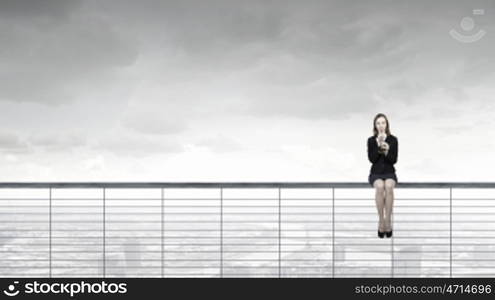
column 384, row 148
column 380, row 139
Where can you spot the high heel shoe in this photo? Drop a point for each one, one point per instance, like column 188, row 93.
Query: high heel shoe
column 388, row 233
column 381, row 234
column 388, row 224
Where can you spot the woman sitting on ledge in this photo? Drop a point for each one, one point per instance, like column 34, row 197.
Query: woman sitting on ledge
column 382, row 153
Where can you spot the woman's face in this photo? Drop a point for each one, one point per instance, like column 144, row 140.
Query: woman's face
column 381, row 124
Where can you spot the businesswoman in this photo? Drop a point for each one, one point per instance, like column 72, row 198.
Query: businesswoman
column 382, row 153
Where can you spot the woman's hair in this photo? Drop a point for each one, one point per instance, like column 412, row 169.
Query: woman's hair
column 387, row 129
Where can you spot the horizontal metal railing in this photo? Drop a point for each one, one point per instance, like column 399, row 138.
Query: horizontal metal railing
column 110, row 184
column 330, row 233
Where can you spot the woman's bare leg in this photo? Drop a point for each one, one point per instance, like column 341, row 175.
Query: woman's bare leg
column 379, row 185
column 389, row 202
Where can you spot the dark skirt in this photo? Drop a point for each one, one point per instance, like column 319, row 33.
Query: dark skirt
column 373, row 177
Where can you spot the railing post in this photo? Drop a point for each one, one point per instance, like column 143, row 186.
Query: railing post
column 392, row 244
column 333, row 232
column 279, row 234
column 50, row 230
column 104, row 233
column 221, row 231
column 162, row 233
column 450, row 189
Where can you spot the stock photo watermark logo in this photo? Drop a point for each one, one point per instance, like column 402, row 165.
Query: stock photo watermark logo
column 468, row 25
column 71, row 289
column 12, row 290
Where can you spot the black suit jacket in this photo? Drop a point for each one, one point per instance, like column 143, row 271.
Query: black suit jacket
column 380, row 163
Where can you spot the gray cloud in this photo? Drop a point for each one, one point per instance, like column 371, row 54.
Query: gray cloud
column 317, row 59
column 166, row 70
column 220, row 144
column 49, row 58
column 12, row 143
column 29, row 8
column 154, row 122
column 17, row 143
column 136, row 146
column 58, row 141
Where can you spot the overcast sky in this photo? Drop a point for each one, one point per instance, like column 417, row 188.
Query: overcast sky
column 244, row 90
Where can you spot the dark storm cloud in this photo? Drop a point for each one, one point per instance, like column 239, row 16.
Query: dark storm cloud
column 311, row 59
column 394, row 50
column 53, row 53
column 30, row 8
